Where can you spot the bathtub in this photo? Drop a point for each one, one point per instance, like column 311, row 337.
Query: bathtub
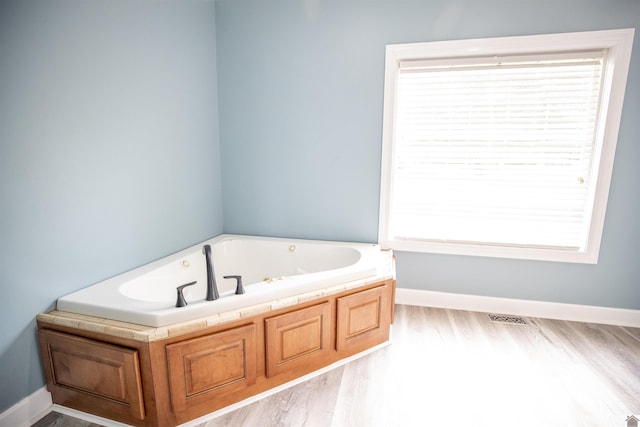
column 271, row 269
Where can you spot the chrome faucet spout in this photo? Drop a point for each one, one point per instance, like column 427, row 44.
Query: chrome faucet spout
column 212, row 289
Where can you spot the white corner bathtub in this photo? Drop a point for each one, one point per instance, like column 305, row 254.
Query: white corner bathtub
column 271, row 269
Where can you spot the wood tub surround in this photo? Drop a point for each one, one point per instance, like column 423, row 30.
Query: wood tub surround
column 167, row 376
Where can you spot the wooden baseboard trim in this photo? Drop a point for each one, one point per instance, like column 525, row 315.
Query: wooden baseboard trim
column 29, row 410
column 527, row 308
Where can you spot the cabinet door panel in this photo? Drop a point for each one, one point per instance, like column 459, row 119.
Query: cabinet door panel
column 363, row 319
column 298, row 340
column 203, row 368
column 92, row 376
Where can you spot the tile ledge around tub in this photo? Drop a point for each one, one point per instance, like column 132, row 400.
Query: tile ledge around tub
column 145, row 333
column 109, row 327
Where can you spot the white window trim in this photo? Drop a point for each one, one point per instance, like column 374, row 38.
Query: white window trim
column 617, row 42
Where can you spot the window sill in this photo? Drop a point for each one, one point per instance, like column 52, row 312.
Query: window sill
column 495, row 251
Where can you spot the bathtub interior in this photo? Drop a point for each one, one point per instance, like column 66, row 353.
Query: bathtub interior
column 254, row 260
column 271, row 268
column 259, row 260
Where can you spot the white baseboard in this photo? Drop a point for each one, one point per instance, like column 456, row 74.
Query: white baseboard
column 105, row 422
column 28, row 411
column 517, row 307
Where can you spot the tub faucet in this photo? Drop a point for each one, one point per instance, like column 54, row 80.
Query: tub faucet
column 181, row 302
column 212, row 289
column 239, row 287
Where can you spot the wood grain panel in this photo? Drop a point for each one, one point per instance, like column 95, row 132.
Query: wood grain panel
column 95, row 374
column 299, row 339
column 214, row 367
column 203, row 368
column 363, row 319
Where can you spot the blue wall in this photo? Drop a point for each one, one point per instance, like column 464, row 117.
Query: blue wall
column 109, row 153
column 300, row 93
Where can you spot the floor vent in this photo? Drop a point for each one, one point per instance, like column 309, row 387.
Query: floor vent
column 501, row 318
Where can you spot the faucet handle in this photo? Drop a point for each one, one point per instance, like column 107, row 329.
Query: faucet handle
column 181, row 302
column 239, row 287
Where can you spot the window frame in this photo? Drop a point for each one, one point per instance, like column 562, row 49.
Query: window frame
column 618, row 44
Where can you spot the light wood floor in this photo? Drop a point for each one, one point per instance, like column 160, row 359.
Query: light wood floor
column 454, row 368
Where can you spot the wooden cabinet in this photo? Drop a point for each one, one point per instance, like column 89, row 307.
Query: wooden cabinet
column 206, row 368
column 92, row 376
column 298, row 340
column 363, row 319
column 171, row 380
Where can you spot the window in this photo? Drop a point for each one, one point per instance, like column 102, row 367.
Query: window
column 502, row 147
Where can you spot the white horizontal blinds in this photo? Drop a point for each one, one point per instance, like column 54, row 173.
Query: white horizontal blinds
column 496, row 152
